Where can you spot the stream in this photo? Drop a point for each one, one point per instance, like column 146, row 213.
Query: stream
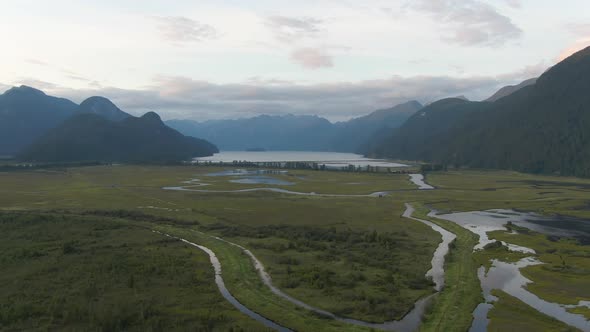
column 225, row 292
column 507, row 276
column 410, row 322
column 417, row 179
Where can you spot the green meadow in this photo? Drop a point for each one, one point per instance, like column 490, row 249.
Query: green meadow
column 353, row 256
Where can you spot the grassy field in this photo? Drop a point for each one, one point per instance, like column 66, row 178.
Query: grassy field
column 62, row 272
column 338, row 253
column 244, row 283
column 325, row 182
column 564, row 278
column 511, row 314
column 372, row 276
column 453, row 306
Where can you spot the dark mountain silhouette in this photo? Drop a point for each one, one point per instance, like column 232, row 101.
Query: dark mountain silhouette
column 541, row 128
column 351, row 135
column 103, row 107
column 27, row 113
column 510, row 89
column 288, row 132
column 291, row 132
column 90, row 137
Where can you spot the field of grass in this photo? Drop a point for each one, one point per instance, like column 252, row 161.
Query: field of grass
column 564, row 278
column 371, row 276
column 472, row 190
column 243, row 282
column 511, row 314
column 63, row 272
column 324, row 182
column 337, row 253
column 453, row 306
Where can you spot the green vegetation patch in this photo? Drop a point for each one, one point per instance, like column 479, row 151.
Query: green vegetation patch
column 367, row 275
column 511, row 314
column 453, row 306
column 244, row 283
column 564, row 276
column 62, row 272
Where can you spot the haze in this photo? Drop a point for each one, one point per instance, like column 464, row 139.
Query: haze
column 232, row 59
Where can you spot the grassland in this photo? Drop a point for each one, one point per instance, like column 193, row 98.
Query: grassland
column 243, row 282
column 453, row 306
column 564, row 278
column 62, row 272
column 371, row 276
column 320, row 182
column 511, row 314
column 319, row 271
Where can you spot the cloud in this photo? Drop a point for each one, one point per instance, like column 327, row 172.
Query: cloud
column 290, row 29
column 469, row 22
column 514, row 3
column 186, row 98
column 578, row 45
column 311, row 58
column 37, row 84
column 180, row 30
column 37, row 62
column 582, row 33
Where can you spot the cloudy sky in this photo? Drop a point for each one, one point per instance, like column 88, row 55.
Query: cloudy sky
column 238, row 58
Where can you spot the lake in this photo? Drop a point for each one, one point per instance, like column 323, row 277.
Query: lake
column 330, row 159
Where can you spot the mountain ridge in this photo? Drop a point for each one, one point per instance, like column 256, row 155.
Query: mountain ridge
column 541, row 128
column 91, row 137
column 296, row 132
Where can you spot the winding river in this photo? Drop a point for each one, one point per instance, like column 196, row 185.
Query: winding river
column 410, row 322
column 417, row 179
column 225, row 292
column 507, row 276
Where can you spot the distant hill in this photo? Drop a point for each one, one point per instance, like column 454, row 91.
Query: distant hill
column 510, row 89
column 416, row 136
column 27, row 113
column 351, row 135
column 288, row 132
column 541, row 128
column 103, row 107
column 293, row 132
column 90, row 137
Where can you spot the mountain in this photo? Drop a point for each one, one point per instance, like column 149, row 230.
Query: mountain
column 27, row 113
column 416, row 136
column 90, row 137
column 288, row 132
column 353, row 134
column 541, row 128
column 510, row 89
column 295, row 132
column 103, row 107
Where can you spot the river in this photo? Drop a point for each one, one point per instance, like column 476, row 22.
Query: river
column 410, row 322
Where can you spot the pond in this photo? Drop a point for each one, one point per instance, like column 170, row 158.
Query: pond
column 482, row 222
column 262, row 180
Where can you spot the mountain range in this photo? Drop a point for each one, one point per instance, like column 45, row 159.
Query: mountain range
column 91, row 137
column 541, row 125
column 541, row 128
column 291, row 132
column 38, row 127
column 26, row 114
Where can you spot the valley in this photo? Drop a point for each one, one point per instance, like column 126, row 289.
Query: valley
column 309, row 166
column 301, row 240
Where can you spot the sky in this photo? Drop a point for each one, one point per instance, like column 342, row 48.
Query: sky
column 201, row 60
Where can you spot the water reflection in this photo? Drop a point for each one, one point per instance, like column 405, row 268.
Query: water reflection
column 507, row 276
column 418, row 179
column 262, row 180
